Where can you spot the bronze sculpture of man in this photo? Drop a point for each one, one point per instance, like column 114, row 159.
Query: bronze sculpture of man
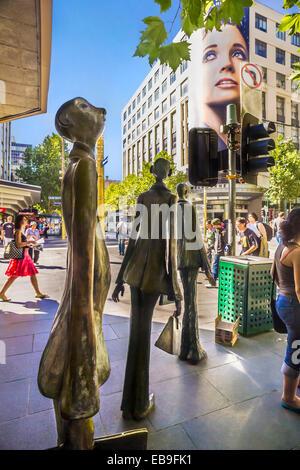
column 191, row 255
column 75, row 362
column 149, row 267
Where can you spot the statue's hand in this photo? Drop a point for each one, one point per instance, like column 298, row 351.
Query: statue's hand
column 178, row 308
column 119, row 289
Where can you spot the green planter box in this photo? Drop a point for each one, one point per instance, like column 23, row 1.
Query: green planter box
column 245, row 286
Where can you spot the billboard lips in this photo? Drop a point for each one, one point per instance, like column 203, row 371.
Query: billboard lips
column 226, row 83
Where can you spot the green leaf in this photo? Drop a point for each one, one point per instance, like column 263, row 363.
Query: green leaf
column 164, row 4
column 155, row 31
column 173, row 54
column 290, row 3
column 187, row 26
column 147, row 48
column 290, row 23
column 233, row 10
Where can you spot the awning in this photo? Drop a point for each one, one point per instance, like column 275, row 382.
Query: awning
column 25, row 54
column 16, row 196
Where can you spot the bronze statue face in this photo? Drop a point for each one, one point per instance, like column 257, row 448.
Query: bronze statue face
column 79, row 121
column 183, row 190
column 161, row 168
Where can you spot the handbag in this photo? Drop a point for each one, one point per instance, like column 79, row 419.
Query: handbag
column 15, row 252
column 278, row 324
column 169, row 339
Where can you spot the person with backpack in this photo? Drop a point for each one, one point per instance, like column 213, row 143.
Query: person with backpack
column 259, row 228
column 277, row 222
column 250, row 241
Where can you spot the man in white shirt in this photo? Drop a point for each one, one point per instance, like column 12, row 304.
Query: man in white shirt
column 122, row 230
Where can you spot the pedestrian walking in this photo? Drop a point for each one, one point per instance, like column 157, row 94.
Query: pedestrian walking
column 220, row 240
column 287, row 278
column 250, row 241
column 21, row 267
column 260, row 231
column 209, row 239
column 7, row 232
column 122, row 230
column 33, row 234
column 277, row 223
column 45, row 230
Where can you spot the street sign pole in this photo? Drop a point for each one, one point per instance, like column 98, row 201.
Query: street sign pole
column 231, row 128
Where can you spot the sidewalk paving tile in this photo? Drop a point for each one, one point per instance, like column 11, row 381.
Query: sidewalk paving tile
column 247, row 378
column 173, row 438
column 19, row 367
column 108, row 333
column 25, row 328
column 257, row 424
column 13, row 399
column 18, row 345
column 117, row 349
column 184, row 398
column 115, row 381
column 39, row 341
column 37, row 402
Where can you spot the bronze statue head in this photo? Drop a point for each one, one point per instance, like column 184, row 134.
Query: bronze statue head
column 183, row 190
column 161, row 169
column 79, row 121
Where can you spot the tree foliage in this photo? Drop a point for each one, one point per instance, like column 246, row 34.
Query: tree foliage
column 285, row 174
column 42, row 165
column 196, row 14
column 127, row 192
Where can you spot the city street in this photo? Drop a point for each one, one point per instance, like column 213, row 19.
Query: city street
column 229, row 401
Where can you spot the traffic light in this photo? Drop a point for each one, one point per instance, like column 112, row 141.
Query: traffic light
column 256, row 144
column 203, row 156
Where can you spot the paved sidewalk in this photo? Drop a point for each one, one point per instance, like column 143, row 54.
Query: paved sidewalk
column 229, row 401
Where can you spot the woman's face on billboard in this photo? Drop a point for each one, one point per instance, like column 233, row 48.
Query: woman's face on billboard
column 223, row 51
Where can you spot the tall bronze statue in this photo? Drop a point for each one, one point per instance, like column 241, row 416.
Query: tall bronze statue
column 191, row 256
column 149, row 267
column 75, row 363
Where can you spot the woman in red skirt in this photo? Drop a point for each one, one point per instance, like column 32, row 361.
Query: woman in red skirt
column 21, row 267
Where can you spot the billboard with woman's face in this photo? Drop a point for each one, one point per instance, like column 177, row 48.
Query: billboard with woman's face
column 214, row 77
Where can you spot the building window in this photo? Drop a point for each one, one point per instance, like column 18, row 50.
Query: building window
column 295, row 39
column 124, row 116
column 124, row 129
column 133, row 104
column 280, row 34
column 173, row 133
column 163, row 69
column 124, row 142
column 264, row 71
column 184, row 88
column 280, row 80
column 260, row 48
column 129, row 138
column 133, row 119
column 281, row 129
column 133, row 134
column 156, row 113
column 164, row 86
column 260, row 22
column 143, row 108
column 294, row 114
column 164, row 106
column 150, row 119
column 295, row 136
column 156, row 94
column 144, row 92
column 165, row 134
column 138, row 99
column 280, row 108
column 138, row 114
column 129, row 110
column 129, row 124
column 263, row 97
column 157, row 146
column 150, row 84
column 294, row 59
column 138, row 130
column 144, row 125
column 280, row 56
column 150, row 146
column 149, row 101
column 156, row 76
column 172, row 98
column 183, row 66
column 144, row 148
column 172, row 77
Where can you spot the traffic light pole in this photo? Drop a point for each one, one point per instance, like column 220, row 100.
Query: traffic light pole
column 231, row 129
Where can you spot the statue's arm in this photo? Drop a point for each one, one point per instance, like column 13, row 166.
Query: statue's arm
column 131, row 242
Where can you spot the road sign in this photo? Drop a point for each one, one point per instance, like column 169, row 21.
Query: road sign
column 54, row 197
column 251, row 76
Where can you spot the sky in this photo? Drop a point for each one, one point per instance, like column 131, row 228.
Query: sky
column 93, row 43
